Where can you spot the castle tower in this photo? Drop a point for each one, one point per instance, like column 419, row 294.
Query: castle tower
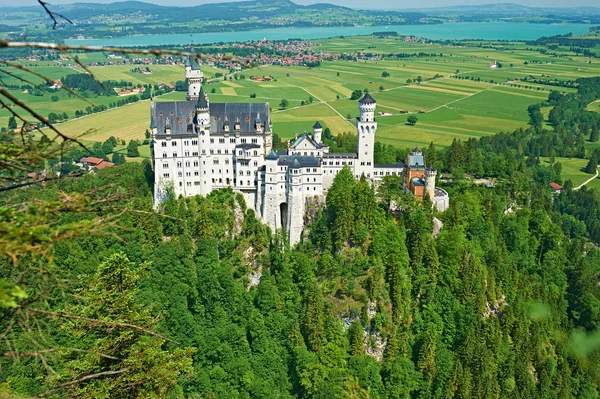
column 366, row 127
column 202, row 111
column 318, row 132
column 194, row 77
column 430, row 174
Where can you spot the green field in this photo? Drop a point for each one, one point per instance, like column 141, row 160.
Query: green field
column 460, row 95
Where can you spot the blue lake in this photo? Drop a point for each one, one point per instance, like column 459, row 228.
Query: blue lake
column 461, row 30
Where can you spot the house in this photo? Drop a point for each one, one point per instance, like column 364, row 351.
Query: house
column 494, row 65
column 421, row 111
column 96, row 163
column 556, row 188
column 385, row 113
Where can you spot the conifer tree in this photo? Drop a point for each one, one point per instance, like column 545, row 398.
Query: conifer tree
column 355, row 336
column 134, row 363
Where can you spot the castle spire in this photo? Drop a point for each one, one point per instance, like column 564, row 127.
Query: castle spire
column 202, row 102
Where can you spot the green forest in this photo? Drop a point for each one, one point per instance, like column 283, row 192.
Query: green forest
column 103, row 297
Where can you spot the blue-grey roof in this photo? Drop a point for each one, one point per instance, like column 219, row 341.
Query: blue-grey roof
column 182, row 116
column 152, row 121
column 194, row 62
column 202, row 102
column 340, row 155
column 303, row 161
column 417, row 182
column 367, row 99
column 272, row 155
column 317, row 125
column 247, row 146
column 416, row 161
column 398, row 165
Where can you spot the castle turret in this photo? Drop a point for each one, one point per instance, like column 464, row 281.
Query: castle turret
column 430, row 174
column 318, row 132
column 366, row 127
column 194, row 77
column 202, row 110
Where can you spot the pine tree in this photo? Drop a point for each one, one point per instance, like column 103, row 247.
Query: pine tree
column 594, row 134
column 134, row 362
column 340, row 206
column 355, row 337
column 592, row 164
column 314, row 319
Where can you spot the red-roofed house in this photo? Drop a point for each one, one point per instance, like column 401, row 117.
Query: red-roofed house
column 557, row 188
column 97, row 163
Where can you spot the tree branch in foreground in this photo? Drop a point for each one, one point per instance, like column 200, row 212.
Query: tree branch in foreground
column 87, row 377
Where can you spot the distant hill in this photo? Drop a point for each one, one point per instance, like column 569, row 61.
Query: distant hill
column 210, row 11
column 504, row 9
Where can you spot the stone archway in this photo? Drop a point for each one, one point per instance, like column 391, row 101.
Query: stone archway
column 283, row 213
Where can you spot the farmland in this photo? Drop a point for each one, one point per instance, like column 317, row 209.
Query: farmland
column 459, row 95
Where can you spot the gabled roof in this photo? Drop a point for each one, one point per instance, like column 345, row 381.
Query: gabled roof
column 317, row 125
column 312, row 142
column 367, row 99
column 296, row 164
column 556, row 186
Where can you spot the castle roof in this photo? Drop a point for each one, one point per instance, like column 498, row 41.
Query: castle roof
column 272, row 156
column 345, row 155
column 295, row 164
column 416, row 161
column 317, row 125
column 398, row 165
column 182, row 116
column 303, row 161
column 202, row 102
column 367, row 99
column 305, row 136
column 193, row 62
column 152, row 120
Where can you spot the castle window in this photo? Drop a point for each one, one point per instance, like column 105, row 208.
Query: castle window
column 219, row 151
column 165, row 175
column 222, row 141
column 196, row 173
column 194, row 142
column 164, row 154
column 196, row 183
column 165, row 165
column 174, row 155
column 180, row 184
column 212, row 141
column 232, row 141
column 163, row 144
column 179, row 164
column 173, row 143
column 187, row 164
column 255, row 141
column 226, row 151
column 179, row 174
column 227, row 162
column 368, row 163
column 187, row 153
column 215, row 161
column 212, row 151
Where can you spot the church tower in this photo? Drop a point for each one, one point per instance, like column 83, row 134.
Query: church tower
column 193, row 76
column 366, row 127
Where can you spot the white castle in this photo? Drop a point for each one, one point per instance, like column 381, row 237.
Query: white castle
column 198, row 146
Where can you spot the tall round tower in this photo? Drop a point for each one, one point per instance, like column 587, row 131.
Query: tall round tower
column 318, row 132
column 194, row 77
column 366, row 126
column 430, row 174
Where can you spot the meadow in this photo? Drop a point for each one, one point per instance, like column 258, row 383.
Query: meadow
column 459, row 97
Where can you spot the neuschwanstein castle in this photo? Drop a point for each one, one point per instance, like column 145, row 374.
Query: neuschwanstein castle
column 198, row 146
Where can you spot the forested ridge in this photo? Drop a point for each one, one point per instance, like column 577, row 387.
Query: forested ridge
column 201, row 300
